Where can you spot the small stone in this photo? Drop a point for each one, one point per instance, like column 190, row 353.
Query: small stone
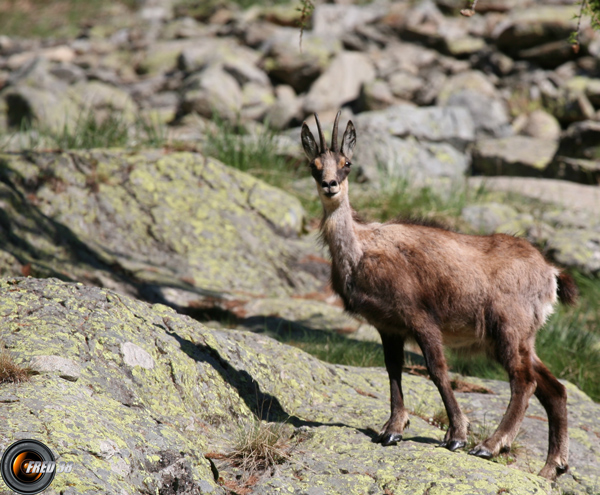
column 66, row 368
column 64, row 54
column 134, row 355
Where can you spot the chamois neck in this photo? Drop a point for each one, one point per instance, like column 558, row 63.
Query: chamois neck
column 338, row 228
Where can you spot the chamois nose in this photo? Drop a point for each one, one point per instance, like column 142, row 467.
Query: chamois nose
column 331, row 183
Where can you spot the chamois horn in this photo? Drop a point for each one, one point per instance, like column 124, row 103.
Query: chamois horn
column 321, row 136
column 334, row 137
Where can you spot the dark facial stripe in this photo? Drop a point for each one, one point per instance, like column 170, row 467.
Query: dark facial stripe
column 342, row 173
column 317, row 173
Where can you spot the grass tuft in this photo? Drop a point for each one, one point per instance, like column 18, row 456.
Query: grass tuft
column 478, row 433
column 10, row 372
column 399, row 198
column 255, row 153
column 92, row 130
column 260, row 446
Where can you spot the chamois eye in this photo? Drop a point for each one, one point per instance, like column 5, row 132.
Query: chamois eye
column 347, row 164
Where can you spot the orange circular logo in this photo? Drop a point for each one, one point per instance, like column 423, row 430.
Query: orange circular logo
column 28, row 467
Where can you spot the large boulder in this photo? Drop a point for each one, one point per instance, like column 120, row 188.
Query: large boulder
column 569, row 227
column 579, row 248
column 340, row 83
column 34, row 96
column 577, row 158
column 337, row 20
column 542, row 125
column 451, row 125
column 528, row 27
column 153, row 401
column 413, row 143
column 382, row 157
column 299, row 66
column 514, row 155
column 581, row 140
column 473, row 91
column 166, row 227
column 212, row 92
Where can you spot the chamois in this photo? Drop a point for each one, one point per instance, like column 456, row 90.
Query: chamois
column 436, row 287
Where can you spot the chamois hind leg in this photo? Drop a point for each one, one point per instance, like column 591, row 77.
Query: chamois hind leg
column 553, row 396
column 430, row 342
column 516, row 357
column 393, row 351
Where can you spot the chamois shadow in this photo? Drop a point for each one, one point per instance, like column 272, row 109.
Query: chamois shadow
column 297, row 332
column 263, row 405
column 373, row 435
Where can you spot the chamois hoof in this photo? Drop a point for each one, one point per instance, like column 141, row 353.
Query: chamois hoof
column 387, row 439
column 453, row 445
column 552, row 472
column 482, row 452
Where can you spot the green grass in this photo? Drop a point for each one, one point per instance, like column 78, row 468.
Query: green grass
column 336, row 349
column 55, row 18
column 254, row 153
column 399, row 198
column 202, row 10
column 569, row 344
column 90, row 130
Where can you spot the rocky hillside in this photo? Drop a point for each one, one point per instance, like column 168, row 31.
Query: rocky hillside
column 120, row 246
column 144, row 400
column 435, row 96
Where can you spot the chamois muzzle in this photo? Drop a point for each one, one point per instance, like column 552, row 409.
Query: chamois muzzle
column 330, row 188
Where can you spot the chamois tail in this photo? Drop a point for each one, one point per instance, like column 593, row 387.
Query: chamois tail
column 567, row 289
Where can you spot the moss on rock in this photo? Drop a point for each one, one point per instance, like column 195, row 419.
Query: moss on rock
column 144, row 424
column 167, row 227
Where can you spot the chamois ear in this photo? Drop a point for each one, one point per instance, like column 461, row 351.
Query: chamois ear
column 308, row 143
column 349, row 140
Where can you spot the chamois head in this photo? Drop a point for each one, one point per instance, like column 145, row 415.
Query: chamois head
column 330, row 167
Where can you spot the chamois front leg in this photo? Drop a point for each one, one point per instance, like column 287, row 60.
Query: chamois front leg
column 393, row 351
column 429, row 339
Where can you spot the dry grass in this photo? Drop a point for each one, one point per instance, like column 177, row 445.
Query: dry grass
column 260, row 446
column 10, row 372
column 459, row 385
column 439, row 419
